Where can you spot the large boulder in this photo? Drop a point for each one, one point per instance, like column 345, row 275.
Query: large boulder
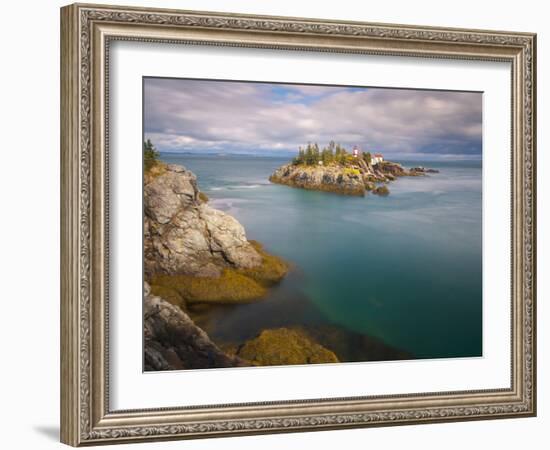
column 183, row 235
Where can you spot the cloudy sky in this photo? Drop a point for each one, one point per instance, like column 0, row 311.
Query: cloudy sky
column 263, row 118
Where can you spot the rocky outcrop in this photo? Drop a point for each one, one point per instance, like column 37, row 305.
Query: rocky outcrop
column 173, row 341
column 320, row 178
column 354, row 177
column 197, row 254
column 284, row 346
column 422, row 170
column 183, row 235
column 391, row 168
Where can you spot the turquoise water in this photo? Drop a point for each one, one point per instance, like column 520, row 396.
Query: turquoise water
column 405, row 269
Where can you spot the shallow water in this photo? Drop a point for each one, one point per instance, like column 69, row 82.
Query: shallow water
column 405, row 268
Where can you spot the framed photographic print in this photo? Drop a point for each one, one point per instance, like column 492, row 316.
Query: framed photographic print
column 278, row 224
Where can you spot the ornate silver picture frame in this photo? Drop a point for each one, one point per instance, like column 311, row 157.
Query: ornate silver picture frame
column 87, row 32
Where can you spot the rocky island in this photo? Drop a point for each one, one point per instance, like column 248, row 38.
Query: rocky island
column 334, row 169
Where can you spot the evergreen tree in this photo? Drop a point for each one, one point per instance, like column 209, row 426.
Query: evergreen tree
column 311, row 155
column 316, row 154
column 340, row 155
column 337, row 154
column 300, row 158
column 309, row 158
column 150, row 155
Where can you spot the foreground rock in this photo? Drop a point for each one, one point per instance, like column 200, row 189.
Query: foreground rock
column 284, row 346
column 183, row 235
column 195, row 253
column 173, row 341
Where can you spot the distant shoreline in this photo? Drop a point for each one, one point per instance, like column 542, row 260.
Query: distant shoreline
column 406, row 162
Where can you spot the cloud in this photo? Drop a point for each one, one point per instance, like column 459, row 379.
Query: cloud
column 198, row 115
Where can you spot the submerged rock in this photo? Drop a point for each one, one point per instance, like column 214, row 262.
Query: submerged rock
column 284, row 346
column 353, row 346
column 230, row 286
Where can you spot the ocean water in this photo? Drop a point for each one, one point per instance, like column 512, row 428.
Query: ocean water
column 405, row 269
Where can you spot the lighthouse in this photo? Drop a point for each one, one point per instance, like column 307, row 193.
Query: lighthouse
column 355, row 152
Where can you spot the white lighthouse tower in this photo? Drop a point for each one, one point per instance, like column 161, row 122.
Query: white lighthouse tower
column 355, row 151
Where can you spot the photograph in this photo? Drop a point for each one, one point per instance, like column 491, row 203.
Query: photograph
column 293, row 224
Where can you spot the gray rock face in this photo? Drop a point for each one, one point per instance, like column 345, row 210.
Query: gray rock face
column 169, row 193
column 173, row 341
column 183, row 235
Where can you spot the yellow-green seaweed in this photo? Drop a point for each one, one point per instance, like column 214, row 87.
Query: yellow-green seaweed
column 284, row 346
